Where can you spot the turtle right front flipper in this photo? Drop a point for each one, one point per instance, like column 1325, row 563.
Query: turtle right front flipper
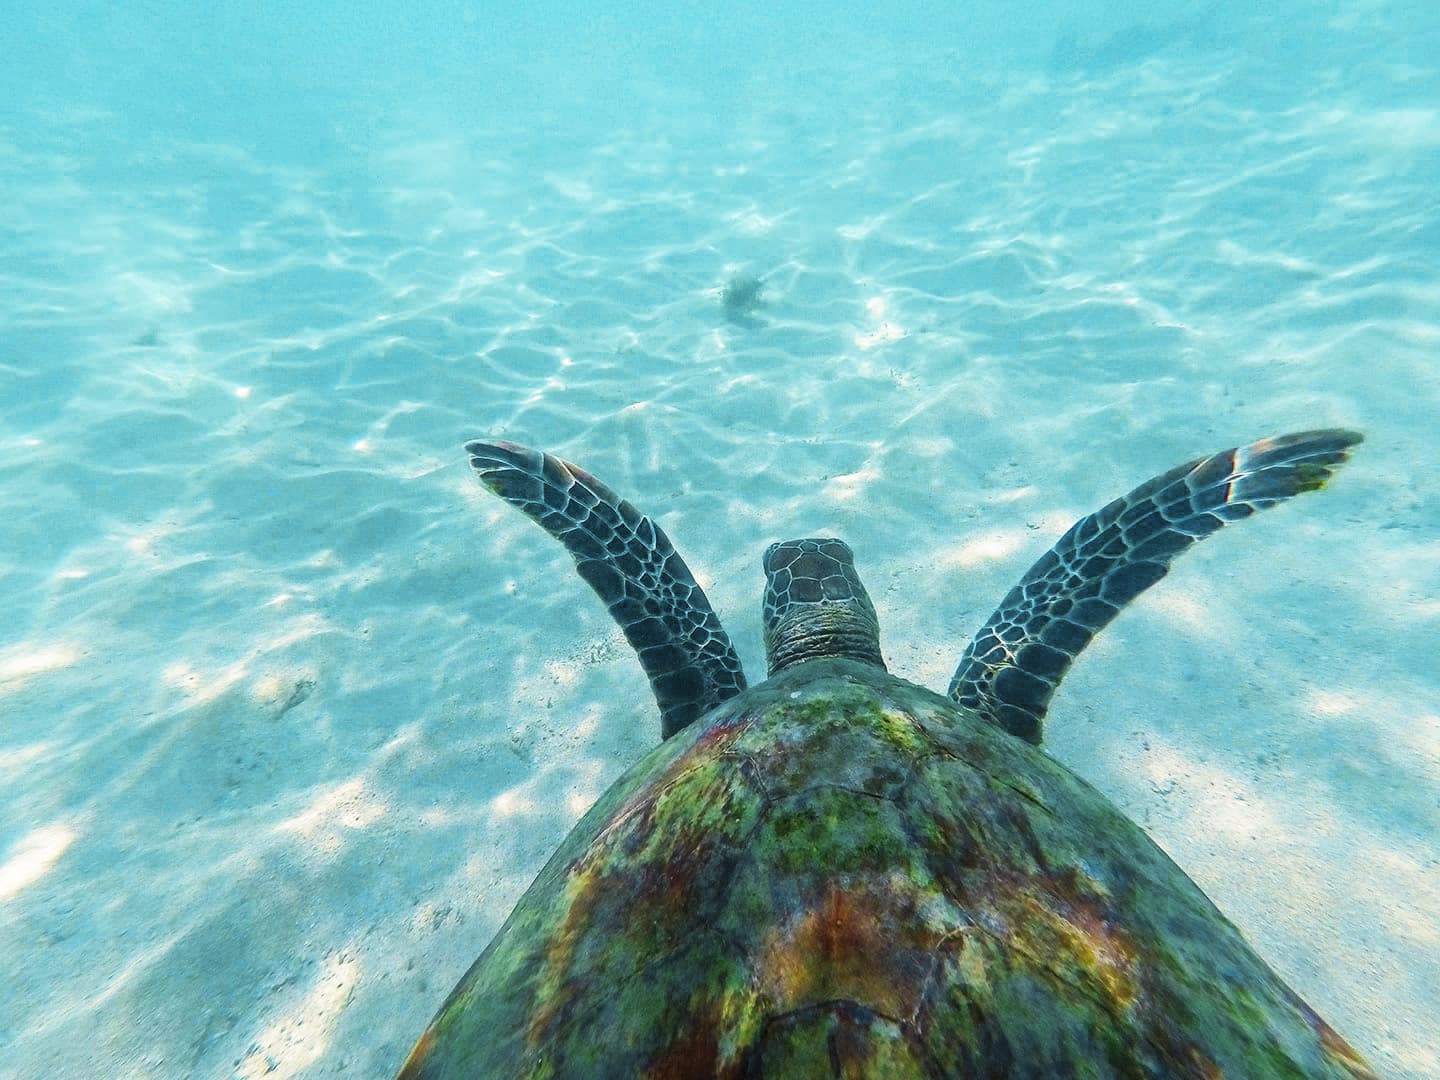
column 1011, row 668
column 630, row 563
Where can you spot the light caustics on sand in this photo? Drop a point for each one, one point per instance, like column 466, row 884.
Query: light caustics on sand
column 32, row 857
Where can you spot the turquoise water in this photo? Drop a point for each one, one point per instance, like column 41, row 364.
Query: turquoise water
column 291, row 711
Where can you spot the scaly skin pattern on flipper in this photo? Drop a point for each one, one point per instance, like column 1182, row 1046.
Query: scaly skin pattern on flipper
column 632, row 566
column 841, row 874
column 1011, row 669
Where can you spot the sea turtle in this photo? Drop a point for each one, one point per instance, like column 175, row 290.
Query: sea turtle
column 838, row 873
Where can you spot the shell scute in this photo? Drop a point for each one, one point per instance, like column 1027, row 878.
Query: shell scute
column 846, row 1041
column 831, row 904
column 647, row 865
column 1088, row 944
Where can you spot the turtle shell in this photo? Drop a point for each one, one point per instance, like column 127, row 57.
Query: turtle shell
column 839, row 873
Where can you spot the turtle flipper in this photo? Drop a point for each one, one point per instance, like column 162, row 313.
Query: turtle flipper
column 1011, row 668
column 629, row 561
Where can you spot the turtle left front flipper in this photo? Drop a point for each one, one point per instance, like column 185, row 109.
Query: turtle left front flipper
column 630, row 563
column 1011, row 668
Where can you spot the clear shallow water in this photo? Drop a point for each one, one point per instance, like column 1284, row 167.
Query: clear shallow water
column 293, row 712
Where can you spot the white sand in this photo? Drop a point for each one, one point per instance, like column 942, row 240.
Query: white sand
column 291, row 711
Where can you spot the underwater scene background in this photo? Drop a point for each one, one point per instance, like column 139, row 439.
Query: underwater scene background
column 291, row 711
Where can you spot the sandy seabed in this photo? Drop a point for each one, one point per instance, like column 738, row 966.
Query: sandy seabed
column 293, row 711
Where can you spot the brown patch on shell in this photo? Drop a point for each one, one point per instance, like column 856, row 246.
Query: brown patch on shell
column 844, row 947
column 691, row 1053
column 418, row 1053
column 1334, row 1047
column 1203, row 1067
column 617, row 890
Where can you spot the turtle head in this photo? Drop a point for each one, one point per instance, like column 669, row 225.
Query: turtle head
column 815, row 606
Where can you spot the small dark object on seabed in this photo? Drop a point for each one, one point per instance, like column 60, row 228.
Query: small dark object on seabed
column 741, row 296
